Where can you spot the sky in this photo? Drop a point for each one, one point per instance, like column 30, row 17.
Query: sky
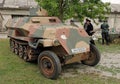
column 112, row 1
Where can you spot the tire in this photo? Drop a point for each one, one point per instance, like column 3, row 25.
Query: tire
column 49, row 64
column 94, row 56
column 25, row 54
column 21, row 51
column 16, row 48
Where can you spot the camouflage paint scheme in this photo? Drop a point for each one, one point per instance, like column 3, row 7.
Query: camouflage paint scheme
column 43, row 27
column 50, row 32
column 51, row 42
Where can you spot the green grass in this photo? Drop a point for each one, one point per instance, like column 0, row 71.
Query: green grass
column 112, row 48
column 113, row 70
column 14, row 70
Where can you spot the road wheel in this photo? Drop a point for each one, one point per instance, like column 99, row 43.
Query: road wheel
column 12, row 45
column 93, row 58
column 21, row 51
column 16, row 48
column 25, row 56
column 49, row 64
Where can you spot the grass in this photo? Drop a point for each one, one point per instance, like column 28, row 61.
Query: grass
column 14, row 70
column 112, row 48
column 113, row 70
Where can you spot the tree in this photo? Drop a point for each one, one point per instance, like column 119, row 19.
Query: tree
column 80, row 9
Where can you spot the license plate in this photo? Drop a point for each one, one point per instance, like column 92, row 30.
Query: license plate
column 78, row 50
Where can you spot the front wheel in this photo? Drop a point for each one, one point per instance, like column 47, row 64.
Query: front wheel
column 49, row 64
column 94, row 56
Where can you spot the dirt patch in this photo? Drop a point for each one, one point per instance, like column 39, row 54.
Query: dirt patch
column 109, row 66
column 110, row 60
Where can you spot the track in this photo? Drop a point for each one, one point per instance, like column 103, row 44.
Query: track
column 22, row 49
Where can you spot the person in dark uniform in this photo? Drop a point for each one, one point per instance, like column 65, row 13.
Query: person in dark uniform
column 105, row 32
column 89, row 29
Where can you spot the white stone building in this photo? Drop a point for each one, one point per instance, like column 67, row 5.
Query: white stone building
column 1, row 20
column 114, row 17
column 14, row 8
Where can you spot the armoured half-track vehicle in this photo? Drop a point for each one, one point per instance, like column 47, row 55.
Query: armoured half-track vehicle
column 51, row 42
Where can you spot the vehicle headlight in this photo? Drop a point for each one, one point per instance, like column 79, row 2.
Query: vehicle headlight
column 56, row 43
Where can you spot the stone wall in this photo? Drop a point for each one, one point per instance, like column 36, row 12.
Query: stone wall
column 1, row 20
column 7, row 14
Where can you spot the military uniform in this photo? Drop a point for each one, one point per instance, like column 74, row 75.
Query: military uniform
column 89, row 29
column 105, row 33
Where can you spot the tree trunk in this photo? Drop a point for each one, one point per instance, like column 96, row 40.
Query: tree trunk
column 61, row 9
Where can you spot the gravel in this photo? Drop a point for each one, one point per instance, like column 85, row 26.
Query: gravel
column 109, row 66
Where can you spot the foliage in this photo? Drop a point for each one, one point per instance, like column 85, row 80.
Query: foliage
column 80, row 9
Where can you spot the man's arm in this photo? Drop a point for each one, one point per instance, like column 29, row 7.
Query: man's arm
column 102, row 26
column 91, row 27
